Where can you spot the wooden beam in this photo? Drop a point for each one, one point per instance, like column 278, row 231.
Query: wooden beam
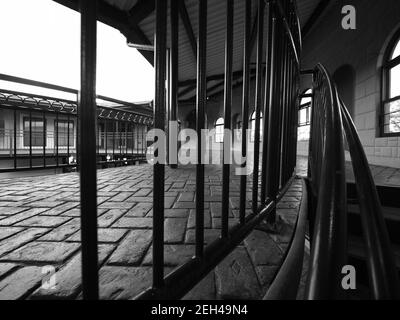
column 188, row 26
column 314, row 16
column 141, row 10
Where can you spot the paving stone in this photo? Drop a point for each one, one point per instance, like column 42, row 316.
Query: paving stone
column 121, row 196
column 204, row 290
column 210, row 235
column 62, row 208
column 174, row 255
column 6, row 268
column 266, row 275
column 235, row 277
column 21, row 216
column 139, row 210
column 123, row 282
column 9, row 211
column 192, row 219
column 42, row 252
column 262, row 249
column 20, row 238
column 132, row 249
column 69, row 278
column 63, row 232
column 6, row 232
column 143, row 192
column 216, row 223
column 43, row 221
column 20, row 283
column 108, row 218
column 134, row 223
column 103, row 235
column 116, row 205
column 186, row 196
column 174, row 230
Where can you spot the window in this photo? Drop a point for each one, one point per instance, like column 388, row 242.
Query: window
column 219, row 130
column 253, row 126
column 391, row 103
column 38, row 131
column 2, row 131
column 63, row 133
column 303, row 131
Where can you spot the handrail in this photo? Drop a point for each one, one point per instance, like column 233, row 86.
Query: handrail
column 383, row 276
column 326, row 160
column 286, row 281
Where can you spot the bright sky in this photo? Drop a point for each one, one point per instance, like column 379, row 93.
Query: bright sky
column 41, row 41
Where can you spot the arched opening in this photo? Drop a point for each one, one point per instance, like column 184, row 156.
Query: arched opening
column 253, row 126
column 345, row 79
column 303, row 131
column 219, row 130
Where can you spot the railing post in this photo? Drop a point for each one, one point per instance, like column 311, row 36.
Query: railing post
column 87, row 113
column 245, row 108
column 200, row 111
column 258, row 101
column 159, row 123
column 227, row 155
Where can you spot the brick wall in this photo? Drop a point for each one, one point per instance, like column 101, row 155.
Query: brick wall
column 362, row 48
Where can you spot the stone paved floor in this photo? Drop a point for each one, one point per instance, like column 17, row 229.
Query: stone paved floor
column 382, row 175
column 40, row 226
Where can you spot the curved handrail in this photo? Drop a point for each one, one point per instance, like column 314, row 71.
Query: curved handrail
column 383, row 276
column 284, row 286
column 326, row 155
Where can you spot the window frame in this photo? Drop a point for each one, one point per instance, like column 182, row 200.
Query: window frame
column 253, row 127
column 223, row 131
column 38, row 119
column 56, row 143
column 387, row 66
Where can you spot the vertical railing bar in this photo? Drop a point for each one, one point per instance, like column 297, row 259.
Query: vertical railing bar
column 273, row 126
column 270, row 66
column 114, row 126
column 68, row 139
column 88, row 185
column 44, row 139
column 258, row 101
column 200, row 110
column 174, row 73
column 57, row 161
column 245, row 109
column 30, row 139
column 159, row 123
column 15, row 139
column 105, row 138
column 227, row 119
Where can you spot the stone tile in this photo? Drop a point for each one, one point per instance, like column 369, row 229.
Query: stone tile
column 132, row 249
column 173, row 254
column 174, row 230
column 63, row 232
column 69, row 278
column 262, row 249
column 21, row 216
column 43, row 221
column 20, row 238
column 42, row 252
column 9, row 211
column 235, row 277
column 134, row 223
column 204, row 290
column 103, row 235
column 6, row 232
column 192, row 219
column 20, row 283
column 6, row 268
column 123, row 282
column 140, row 210
column 210, row 235
column 108, row 218
column 186, row 197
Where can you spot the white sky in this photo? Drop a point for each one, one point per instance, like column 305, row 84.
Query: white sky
column 40, row 40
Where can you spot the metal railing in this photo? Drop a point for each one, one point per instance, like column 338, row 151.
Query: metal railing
column 41, row 131
column 326, row 187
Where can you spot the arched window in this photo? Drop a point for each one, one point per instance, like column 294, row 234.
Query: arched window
column 391, row 81
column 303, row 132
column 219, row 130
column 253, row 126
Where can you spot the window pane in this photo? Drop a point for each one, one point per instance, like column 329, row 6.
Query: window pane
column 395, row 81
column 36, row 134
column 396, row 51
column 392, row 117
